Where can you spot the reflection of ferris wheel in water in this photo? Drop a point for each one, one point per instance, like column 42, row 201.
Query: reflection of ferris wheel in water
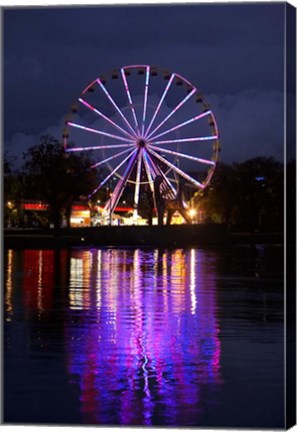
column 143, row 122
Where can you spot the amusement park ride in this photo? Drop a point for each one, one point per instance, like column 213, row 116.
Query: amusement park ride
column 150, row 129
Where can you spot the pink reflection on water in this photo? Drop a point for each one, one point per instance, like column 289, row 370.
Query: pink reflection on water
column 142, row 337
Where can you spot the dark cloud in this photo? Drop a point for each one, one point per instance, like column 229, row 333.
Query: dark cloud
column 251, row 124
column 233, row 52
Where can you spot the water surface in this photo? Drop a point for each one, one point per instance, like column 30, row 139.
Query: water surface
column 183, row 337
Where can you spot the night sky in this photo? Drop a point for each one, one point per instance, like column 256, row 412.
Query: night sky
column 233, row 52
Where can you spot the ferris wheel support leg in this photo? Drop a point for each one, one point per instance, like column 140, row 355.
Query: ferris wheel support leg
column 158, row 171
column 137, row 185
column 116, row 195
column 112, row 173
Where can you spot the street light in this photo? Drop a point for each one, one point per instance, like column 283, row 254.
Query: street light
column 192, row 213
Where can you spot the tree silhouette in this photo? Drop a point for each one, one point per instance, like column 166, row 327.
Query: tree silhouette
column 12, row 192
column 247, row 195
column 57, row 177
column 219, row 201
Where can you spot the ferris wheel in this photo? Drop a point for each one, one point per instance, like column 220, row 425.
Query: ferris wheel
column 141, row 122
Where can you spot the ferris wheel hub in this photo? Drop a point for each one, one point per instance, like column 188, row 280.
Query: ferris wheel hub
column 141, row 143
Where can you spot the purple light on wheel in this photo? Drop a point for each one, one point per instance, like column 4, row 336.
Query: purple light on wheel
column 147, row 76
column 85, row 103
column 198, row 117
column 180, row 140
column 129, row 98
column 160, row 104
column 112, row 173
column 176, row 169
column 116, row 107
column 148, row 170
column 150, row 163
column 97, row 131
column 121, row 183
column 173, row 112
column 110, row 158
column 158, row 170
column 183, row 155
column 137, row 185
column 103, row 147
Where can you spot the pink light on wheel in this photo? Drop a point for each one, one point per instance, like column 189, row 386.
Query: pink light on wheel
column 111, row 174
column 137, row 186
column 158, row 171
column 112, row 203
column 104, row 117
column 172, row 112
column 116, row 106
column 129, row 98
column 181, row 140
column 198, row 117
column 147, row 77
column 183, row 155
column 179, row 171
column 148, row 171
column 160, row 104
column 103, row 147
column 104, row 161
column 99, row 132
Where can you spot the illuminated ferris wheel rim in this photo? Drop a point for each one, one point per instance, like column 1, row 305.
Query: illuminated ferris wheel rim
column 139, row 142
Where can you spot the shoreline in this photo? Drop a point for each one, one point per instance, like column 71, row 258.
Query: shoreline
column 172, row 236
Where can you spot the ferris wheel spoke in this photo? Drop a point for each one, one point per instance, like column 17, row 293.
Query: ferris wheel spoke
column 102, row 183
column 148, row 171
column 178, row 170
column 110, row 158
column 160, row 104
column 147, row 78
column 158, row 171
column 130, row 99
column 181, row 140
column 200, row 116
column 151, row 167
column 97, row 131
column 183, row 155
column 99, row 113
column 116, row 195
column 173, row 112
column 102, row 147
column 137, row 185
column 150, row 163
column 116, row 107
column 114, row 199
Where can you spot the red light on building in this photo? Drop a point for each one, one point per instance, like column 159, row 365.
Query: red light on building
column 80, row 207
column 35, row 206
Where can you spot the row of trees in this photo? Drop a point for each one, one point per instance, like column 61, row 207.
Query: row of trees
column 245, row 196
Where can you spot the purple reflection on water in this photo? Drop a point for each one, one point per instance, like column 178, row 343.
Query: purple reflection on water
column 142, row 338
